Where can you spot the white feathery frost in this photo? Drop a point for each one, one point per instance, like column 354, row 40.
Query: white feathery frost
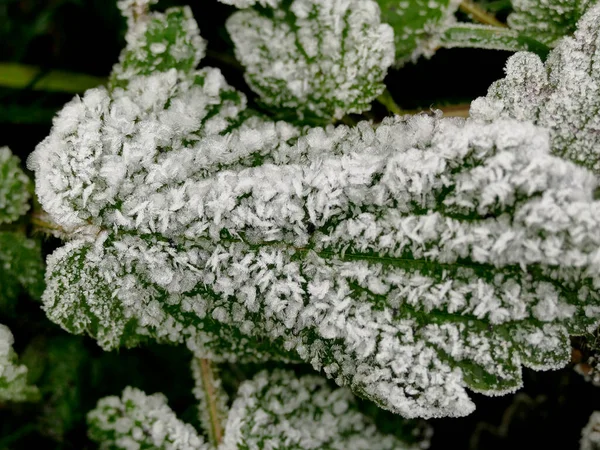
column 315, row 58
column 248, row 3
column 590, row 434
column 409, row 261
column 562, row 94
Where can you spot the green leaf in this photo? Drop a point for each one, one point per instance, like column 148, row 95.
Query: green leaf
column 15, row 187
column 417, row 24
column 142, row 421
column 20, row 76
column 562, row 94
column 314, row 58
column 13, row 377
column 300, row 413
column 547, row 20
column 157, row 42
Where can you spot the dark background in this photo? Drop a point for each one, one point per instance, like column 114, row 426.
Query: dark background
column 85, row 36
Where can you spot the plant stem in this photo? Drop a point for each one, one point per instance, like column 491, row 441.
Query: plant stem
column 479, row 14
column 208, row 383
column 390, row 104
column 20, row 76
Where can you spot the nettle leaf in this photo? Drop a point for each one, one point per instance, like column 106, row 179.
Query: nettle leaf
column 314, row 58
column 418, row 25
column 13, row 377
column 158, row 42
column 137, row 420
column 562, row 94
column 547, row 20
column 407, row 262
column 280, row 410
column 15, row 187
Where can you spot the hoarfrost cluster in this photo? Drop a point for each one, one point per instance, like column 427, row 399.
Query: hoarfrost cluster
column 13, row 376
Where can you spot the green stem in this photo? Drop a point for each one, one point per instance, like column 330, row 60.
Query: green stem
column 389, row 103
column 479, row 14
column 490, row 37
column 20, row 76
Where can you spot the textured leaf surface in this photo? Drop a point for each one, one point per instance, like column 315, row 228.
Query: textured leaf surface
column 547, row 20
column 15, row 187
column 137, row 420
column 314, row 57
column 13, row 377
column 408, row 262
column 280, row 410
column 562, row 94
column 417, row 24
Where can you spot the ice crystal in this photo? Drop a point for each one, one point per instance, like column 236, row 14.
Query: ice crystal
column 13, row 377
column 317, row 58
column 562, row 94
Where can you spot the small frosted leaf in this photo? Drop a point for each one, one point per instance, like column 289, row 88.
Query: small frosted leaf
column 13, row 377
column 15, row 187
column 547, row 20
column 138, row 420
column 300, row 413
column 158, row 42
column 314, row 57
column 590, row 434
column 562, row 94
column 417, row 25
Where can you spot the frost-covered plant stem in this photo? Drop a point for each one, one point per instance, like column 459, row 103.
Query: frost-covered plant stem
column 211, row 405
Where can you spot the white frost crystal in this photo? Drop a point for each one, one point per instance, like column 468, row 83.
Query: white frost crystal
column 139, row 421
column 13, row 377
column 590, row 435
column 317, row 58
column 281, row 411
column 14, row 187
column 248, row 3
column 562, row 94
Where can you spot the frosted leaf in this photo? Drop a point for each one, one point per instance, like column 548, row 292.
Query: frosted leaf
column 408, row 262
column 417, row 25
column 563, row 94
column 590, row 434
column 15, row 187
column 547, row 20
column 283, row 411
column 158, row 42
column 314, row 57
column 137, row 420
column 13, row 377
